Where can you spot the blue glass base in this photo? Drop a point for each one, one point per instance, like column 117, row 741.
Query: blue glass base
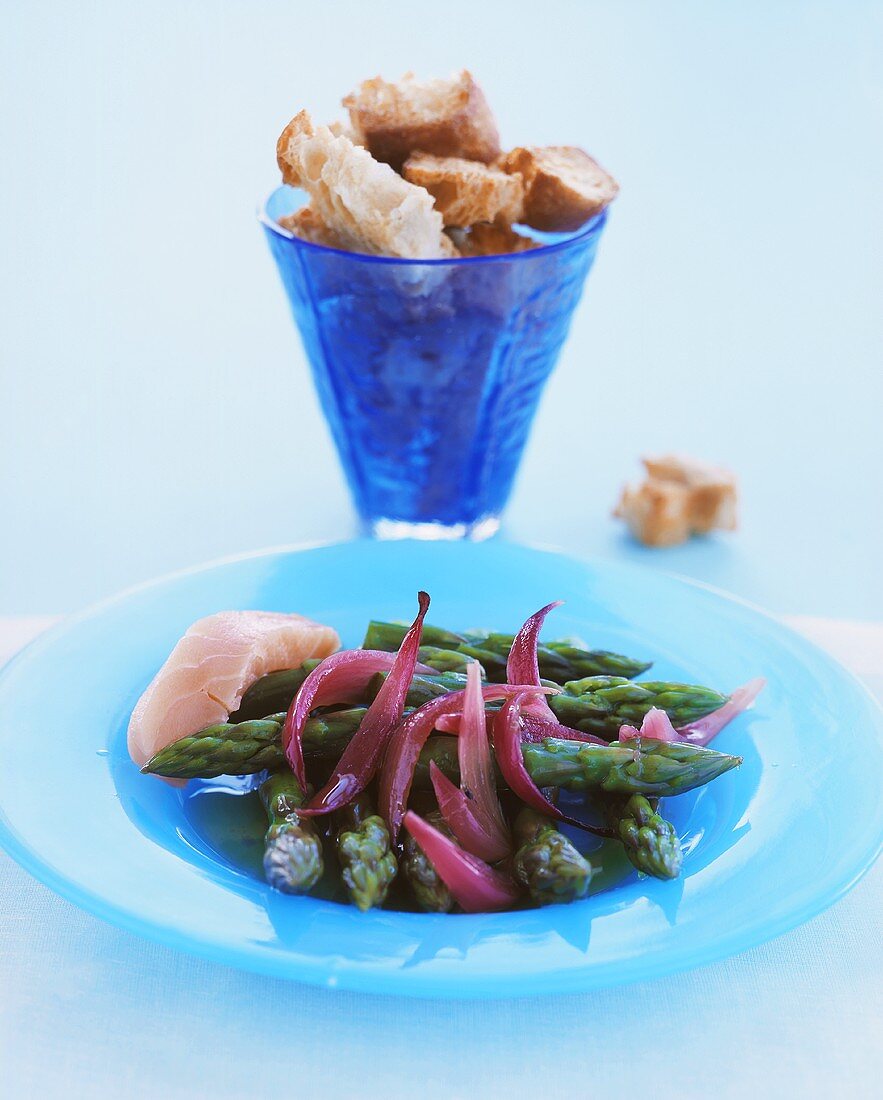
column 430, row 532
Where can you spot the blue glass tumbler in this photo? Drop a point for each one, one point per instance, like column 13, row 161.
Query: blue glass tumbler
column 430, row 372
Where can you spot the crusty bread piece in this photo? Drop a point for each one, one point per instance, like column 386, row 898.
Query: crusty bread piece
column 563, row 186
column 364, row 202
column 484, row 239
column 466, row 191
column 449, row 117
column 679, row 497
column 347, row 130
column 306, row 224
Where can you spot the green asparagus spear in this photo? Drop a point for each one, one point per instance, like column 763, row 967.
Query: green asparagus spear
column 293, row 849
column 640, row 766
column 272, row 693
column 595, row 704
column 546, row 862
column 367, row 863
column 245, row 748
column 493, row 664
column 428, row 889
column 601, row 704
column 434, row 636
column 443, row 660
column 563, row 661
column 559, row 661
column 441, row 750
column 650, row 842
column 423, row 686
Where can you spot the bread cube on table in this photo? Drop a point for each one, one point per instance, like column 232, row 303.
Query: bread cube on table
column 680, row 497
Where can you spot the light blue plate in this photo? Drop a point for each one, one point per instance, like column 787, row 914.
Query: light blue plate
column 768, row 845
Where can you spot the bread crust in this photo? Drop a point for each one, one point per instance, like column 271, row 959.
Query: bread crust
column 563, row 186
column 363, row 202
column 450, row 118
column 467, row 191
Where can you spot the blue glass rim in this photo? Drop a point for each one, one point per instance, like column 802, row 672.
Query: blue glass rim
column 592, row 228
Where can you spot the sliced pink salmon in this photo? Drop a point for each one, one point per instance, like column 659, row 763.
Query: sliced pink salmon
column 213, row 665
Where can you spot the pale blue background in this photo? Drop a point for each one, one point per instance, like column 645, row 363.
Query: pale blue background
column 156, row 409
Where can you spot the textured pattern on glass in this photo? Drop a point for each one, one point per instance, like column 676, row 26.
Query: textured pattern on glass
column 430, row 374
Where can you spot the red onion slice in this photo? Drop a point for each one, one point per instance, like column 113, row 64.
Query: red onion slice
column 523, row 666
column 477, row 780
column 360, row 758
column 535, row 729
column 340, row 678
column 476, row 887
column 507, row 746
column 656, row 725
column 704, row 729
column 470, row 827
column 403, row 752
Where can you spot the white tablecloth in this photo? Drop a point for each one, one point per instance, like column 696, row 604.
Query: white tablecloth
column 89, row 1011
